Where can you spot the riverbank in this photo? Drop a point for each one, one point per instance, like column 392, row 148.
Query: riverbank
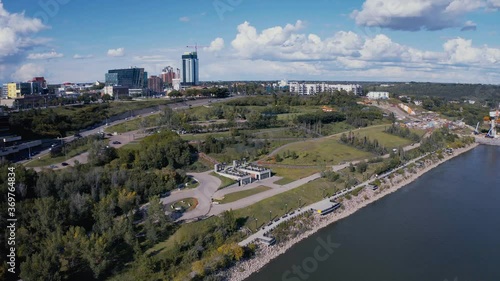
column 390, row 184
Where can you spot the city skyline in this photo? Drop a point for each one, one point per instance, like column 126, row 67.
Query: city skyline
column 445, row 41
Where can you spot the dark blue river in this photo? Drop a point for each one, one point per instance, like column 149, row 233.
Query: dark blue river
column 443, row 226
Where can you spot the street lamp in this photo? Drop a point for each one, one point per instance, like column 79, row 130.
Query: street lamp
column 270, row 215
column 300, row 202
column 286, row 208
column 256, row 224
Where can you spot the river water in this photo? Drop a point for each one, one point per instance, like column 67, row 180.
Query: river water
column 443, row 226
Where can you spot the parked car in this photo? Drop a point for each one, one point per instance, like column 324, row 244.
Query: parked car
column 64, row 164
column 117, row 142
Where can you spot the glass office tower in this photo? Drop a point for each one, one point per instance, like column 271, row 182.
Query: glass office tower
column 190, row 74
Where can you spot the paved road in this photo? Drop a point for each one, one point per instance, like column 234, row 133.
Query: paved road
column 210, row 193
column 203, row 193
column 318, row 205
column 126, row 137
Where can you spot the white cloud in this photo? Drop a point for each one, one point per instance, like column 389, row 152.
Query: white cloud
column 15, row 31
column 216, row 45
column 151, row 58
column 460, row 51
column 469, row 26
column 416, row 14
column 120, row 52
column 184, row 19
column 28, row 71
column 82, row 57
column 286, row 48
column 493, row 4
column 43, row 56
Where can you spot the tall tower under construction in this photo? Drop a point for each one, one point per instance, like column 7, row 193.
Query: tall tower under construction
column 190, row 74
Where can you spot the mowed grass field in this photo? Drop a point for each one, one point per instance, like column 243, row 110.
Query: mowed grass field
column 328, row 150
column 324, row 151
column 232, row 197
column 292, row 174
column 385, row 139
column 280, row 204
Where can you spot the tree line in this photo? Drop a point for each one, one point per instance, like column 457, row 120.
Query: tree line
column 81, row 223
column 403, row 132
column 363, row 143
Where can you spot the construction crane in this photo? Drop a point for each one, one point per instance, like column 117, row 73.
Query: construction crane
column 196, row 46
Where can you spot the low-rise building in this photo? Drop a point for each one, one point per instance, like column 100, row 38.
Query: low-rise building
column 378, row 95
column 326, row 207
column 316, row 88
column 242, row 172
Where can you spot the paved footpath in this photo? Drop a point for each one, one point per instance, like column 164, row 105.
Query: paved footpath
column 203, row 193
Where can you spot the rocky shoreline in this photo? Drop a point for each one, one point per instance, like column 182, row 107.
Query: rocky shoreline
column 264, row 254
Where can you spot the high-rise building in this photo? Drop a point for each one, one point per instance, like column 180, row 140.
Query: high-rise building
column 155, row 84
column 5, row 91
column 132, row 78
column 19, row 90
column 168, row 75
column 190, row 69
column 39, row 86
column 41, row 81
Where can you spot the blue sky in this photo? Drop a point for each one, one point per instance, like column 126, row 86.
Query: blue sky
column 359, row 40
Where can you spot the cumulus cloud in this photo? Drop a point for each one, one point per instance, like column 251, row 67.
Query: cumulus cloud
column 347, row 51
column 43, row 56
column 151, row 58
column 184, row 19
column 469, row 26
column 15, row 31
column 416, row 14
column 216, row 45
column 460, row 51
column 120, row 52
column 493, row 5
column 28, row 71
column 82, row 57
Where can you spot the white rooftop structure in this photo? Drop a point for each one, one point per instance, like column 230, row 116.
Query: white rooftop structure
column 315, row 88
column 378, row 95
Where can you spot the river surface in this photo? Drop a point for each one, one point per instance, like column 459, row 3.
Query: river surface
column 443, row 226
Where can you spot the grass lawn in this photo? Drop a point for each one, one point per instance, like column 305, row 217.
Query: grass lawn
column 292, row 174
column 335, row 128
column 225, row 182
column 187, row 205
column 46, row 160
column 322, row 152
column 192, row 137
column 135, row 145
column 385, row 139
column 185, row 232
column 243, row 194
column 328, row 151
column 280, row 204
column 135, row 124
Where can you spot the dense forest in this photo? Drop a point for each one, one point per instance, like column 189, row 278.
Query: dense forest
column 81, row 223
column 479, row 92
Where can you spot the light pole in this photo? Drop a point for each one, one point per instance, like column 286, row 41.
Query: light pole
column 286, row 208
column 270, row 215
column 300, row 202
column 256, row 224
